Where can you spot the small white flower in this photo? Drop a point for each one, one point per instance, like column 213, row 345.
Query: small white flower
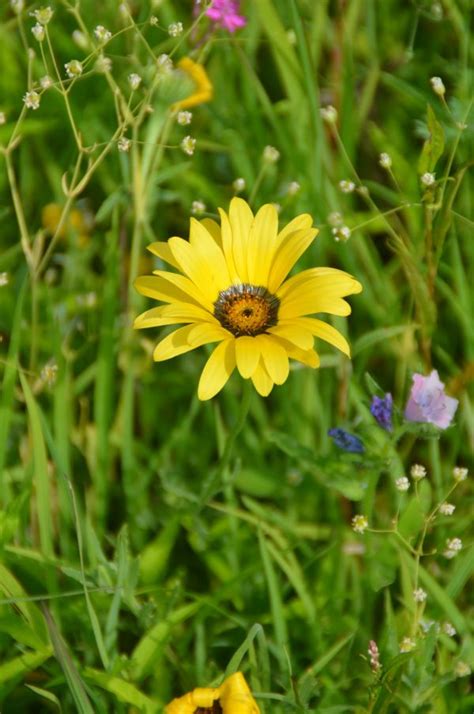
column 124, row 9
column 17, row 6
column 175, row 29
column 38, row 32
column 46, row 82
column 329, row 114
column 124, row 144
column 238, row 184
column 3, row 118
column 103, row 64
column 3, row 279
column 32, row 100
column 293, row 188
column 43, row 15
column 426, row 625
column 447, row 509
column 419, row 595
column 346, row 186
column 154, row 22
column 353, row 548
column 80, row 39
column 73, row 68
column 164, row 63
column 437, row 10
column 277, row 207
column 428, row 179
column 343, row 233
column 134, row 80
column 335, row 219
column 102, row 34
column 198, row 208
column 460, row 473
column 359, row 523
column 184, row 118
column 188, row 145
column 438, row 86
column 385, row 160
column 49, row 373
column 271, row 155
column 417, row 472
column 454, row 544
column 402, row 483
column 462, row 669
column 448, row 629
column 407, row 644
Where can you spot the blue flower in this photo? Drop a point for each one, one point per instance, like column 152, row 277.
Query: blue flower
column 346, row 441
column 382, row 409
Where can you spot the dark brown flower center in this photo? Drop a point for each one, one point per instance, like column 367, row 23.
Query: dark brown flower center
column 215, row 709
column 246, row 309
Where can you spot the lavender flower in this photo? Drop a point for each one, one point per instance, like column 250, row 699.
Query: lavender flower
column 225, row 14
column 381, row 410
column 428, row 401
column 346, row 441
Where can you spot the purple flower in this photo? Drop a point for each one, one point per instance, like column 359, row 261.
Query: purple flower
column 382, row 409
column 225, row 14
column 429, row 403
column 346, row 441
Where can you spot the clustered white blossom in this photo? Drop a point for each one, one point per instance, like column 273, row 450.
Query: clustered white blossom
column 453, row 546
column 329, row 114
column 103, row 64
column 175, row 29
column 238, row 184
column 38, row 32
column 43, row 15
column 32, row 100
column 188, row 145
column 164, row 63
column 346, row 186
column 407, row 644
column 460, row 473
column 293, row 188
column 342, row 233
column 360, row 523
column 124, row 144
column 385, row 160
column 134, row 80
column 46, row 82
column 438, row 86
column 3, row 279
column 419, row 595
column 102, row 34
column 271, row 155
column 417, row 472
column 428, row 179
column 184, row 118
column 402, row 483
column 73, row 68
column 448, row 629
column 447, row 509
column 198, row 208
column 49, row 373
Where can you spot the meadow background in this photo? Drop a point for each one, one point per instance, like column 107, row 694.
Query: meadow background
column 143, row 550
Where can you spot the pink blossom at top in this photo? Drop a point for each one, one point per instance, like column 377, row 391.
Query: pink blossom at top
column 428, row 401
column 225, row 13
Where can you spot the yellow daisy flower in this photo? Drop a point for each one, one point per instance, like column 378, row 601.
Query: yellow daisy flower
column 203, row 91
column 232, row 697
column 232, row 288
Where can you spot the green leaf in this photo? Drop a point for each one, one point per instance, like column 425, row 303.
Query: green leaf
column 433, row 146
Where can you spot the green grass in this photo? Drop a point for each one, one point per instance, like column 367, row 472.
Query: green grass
column 151, row 543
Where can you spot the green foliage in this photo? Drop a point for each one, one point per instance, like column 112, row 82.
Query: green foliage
column 150, row 543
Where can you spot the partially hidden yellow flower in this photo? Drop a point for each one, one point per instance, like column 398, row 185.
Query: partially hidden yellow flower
column 232, row 697
column 232, row 288
column 203, row 91
column 77, row 221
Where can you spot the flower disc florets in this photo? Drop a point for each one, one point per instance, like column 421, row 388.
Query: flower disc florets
column 246, row 309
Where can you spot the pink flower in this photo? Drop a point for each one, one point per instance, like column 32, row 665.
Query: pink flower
column 428, row 401
column 225, row 13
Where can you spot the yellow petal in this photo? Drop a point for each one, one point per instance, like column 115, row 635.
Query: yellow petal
column 326, row 332
column 275, row 358
column 227, row 247
column 217, row 370
column 236, row 697
column 167, row 288
column 303, row 221
column 324, row 277
column 214, row 229
column 261, row 244
column 307, row 357
column 163, row 251
column 173, row 344
column 171, row 314
column 210, row 254
column 182, row 705
column 187, row 287
column 261, row 380
column 194, row 267
column 241, row 219
column 311, row 305
column 204, row 333
column 291, row 249
column 296, row 334
column 247, row 355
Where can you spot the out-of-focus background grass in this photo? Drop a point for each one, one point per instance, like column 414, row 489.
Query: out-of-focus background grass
column 124, row 583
